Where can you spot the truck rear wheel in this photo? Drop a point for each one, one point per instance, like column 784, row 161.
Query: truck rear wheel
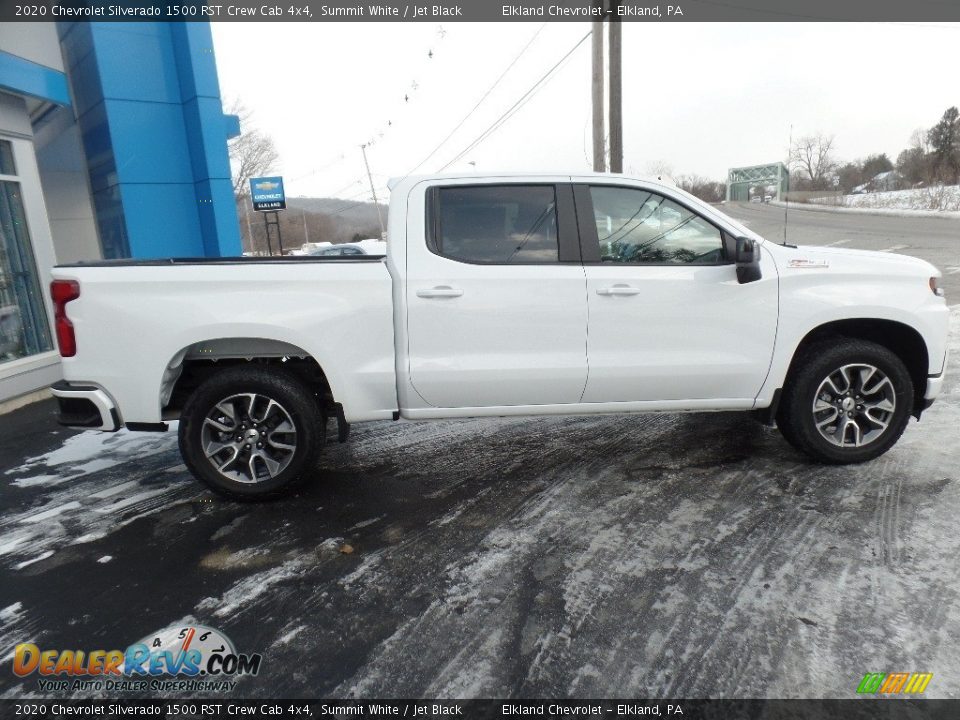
column 251, row 432
column 847, row 401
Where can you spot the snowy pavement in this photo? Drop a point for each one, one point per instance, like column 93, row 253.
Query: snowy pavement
column 645, row 556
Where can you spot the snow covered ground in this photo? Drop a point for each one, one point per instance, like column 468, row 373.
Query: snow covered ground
column 939, row 198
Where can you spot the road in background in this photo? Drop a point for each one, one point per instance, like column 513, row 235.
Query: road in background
column 936, row 240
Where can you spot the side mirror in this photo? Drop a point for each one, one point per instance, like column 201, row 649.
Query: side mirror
column 748, row 260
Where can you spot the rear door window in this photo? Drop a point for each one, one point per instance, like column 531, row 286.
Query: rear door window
column 496, row 224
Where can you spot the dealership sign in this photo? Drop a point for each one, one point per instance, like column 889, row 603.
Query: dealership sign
column 267, row 193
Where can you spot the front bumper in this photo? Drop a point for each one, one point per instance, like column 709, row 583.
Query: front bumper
column 85, row 406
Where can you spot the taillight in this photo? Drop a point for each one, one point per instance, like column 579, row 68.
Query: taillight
column 63, row 291
column 935, row 287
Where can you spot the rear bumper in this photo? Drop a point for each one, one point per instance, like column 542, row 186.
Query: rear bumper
column 85, row 406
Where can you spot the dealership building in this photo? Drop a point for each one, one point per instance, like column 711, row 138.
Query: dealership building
column 113, row 144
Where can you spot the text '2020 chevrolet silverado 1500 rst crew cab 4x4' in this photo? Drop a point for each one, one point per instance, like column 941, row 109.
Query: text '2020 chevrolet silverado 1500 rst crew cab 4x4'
column 506, row 295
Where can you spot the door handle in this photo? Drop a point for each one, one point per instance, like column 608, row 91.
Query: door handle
column 619, row 290
column 441, row 291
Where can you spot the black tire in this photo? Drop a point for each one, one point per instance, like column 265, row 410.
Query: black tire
column 797, row 418
column 274, row 471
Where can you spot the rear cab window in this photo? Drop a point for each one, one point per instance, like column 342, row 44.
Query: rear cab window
column 494, row 224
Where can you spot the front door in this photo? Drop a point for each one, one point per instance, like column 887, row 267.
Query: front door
column 668, row 319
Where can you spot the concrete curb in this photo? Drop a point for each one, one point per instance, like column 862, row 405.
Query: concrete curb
column 888, row 212
column 18, row 402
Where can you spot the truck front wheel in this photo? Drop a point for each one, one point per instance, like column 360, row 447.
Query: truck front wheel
column 250, row 432
column 846, row 401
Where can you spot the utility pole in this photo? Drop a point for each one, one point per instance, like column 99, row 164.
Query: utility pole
column 596, row 92
column 616, row 96
column 306, row 232
column 383, row 231
column 248, row 208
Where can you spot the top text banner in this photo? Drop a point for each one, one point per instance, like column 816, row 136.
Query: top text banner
column 483, row 10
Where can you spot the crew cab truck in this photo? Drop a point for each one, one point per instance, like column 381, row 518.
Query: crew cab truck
column 502, row 295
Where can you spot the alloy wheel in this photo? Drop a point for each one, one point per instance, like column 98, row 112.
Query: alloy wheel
column 854, row 405
column 249, row 437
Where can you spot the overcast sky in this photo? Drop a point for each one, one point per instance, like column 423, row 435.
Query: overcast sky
column 698, row 97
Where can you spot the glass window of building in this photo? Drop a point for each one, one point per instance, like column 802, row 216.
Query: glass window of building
column 24, row 329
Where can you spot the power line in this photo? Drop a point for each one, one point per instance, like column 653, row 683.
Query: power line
column 326, row 166
column 512, row 110
column 479, row 102
column 379, row 133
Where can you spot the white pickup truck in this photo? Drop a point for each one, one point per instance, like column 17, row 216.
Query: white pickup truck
column 502, row 295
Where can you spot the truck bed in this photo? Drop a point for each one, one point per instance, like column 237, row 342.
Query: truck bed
column 137, row 321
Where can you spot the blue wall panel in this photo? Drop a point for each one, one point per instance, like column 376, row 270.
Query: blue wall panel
column 149, row 142
column 137, row 66
column 29, row 78
column 148, row 103
column 156, row 223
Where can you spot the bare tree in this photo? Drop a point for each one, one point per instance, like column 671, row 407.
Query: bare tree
column 252, row 154
column 919, row 140
column 659, row 168
column 915, row 163
column 712, row 191
column 812, row 155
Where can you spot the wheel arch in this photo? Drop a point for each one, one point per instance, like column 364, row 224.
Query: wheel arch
column 901, row 339
column 196, row 362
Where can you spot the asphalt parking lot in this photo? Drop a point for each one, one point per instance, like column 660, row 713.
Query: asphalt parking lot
column 633, row 556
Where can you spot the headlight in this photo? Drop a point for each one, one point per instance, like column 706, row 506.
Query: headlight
column 937, row 290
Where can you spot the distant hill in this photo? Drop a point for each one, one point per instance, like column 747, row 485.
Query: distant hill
column 326, row 219
column 349, row 212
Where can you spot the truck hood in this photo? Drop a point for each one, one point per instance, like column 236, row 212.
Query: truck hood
column 849, row 260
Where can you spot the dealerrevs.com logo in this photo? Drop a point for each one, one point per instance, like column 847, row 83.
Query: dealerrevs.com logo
column 179, row 658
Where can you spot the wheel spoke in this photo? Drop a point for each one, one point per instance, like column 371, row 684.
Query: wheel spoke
column 287, row 447
column 273, row 466
column 271, row 408
column 215, row 448
column 833, row 386
column 218, row 425
column 857, row 435
column 845, row 374
column 229, row 461
column 876, row 388
column 828, row 420
column 229, row 411
column 880, row 422
column 251, row 406
column 882, row 404
column 865, row 375
column 285, row 427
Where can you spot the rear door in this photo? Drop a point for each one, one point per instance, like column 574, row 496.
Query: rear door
column 496, row 297
column 668, row 319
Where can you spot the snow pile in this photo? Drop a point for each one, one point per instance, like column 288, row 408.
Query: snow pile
column 935, row 197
